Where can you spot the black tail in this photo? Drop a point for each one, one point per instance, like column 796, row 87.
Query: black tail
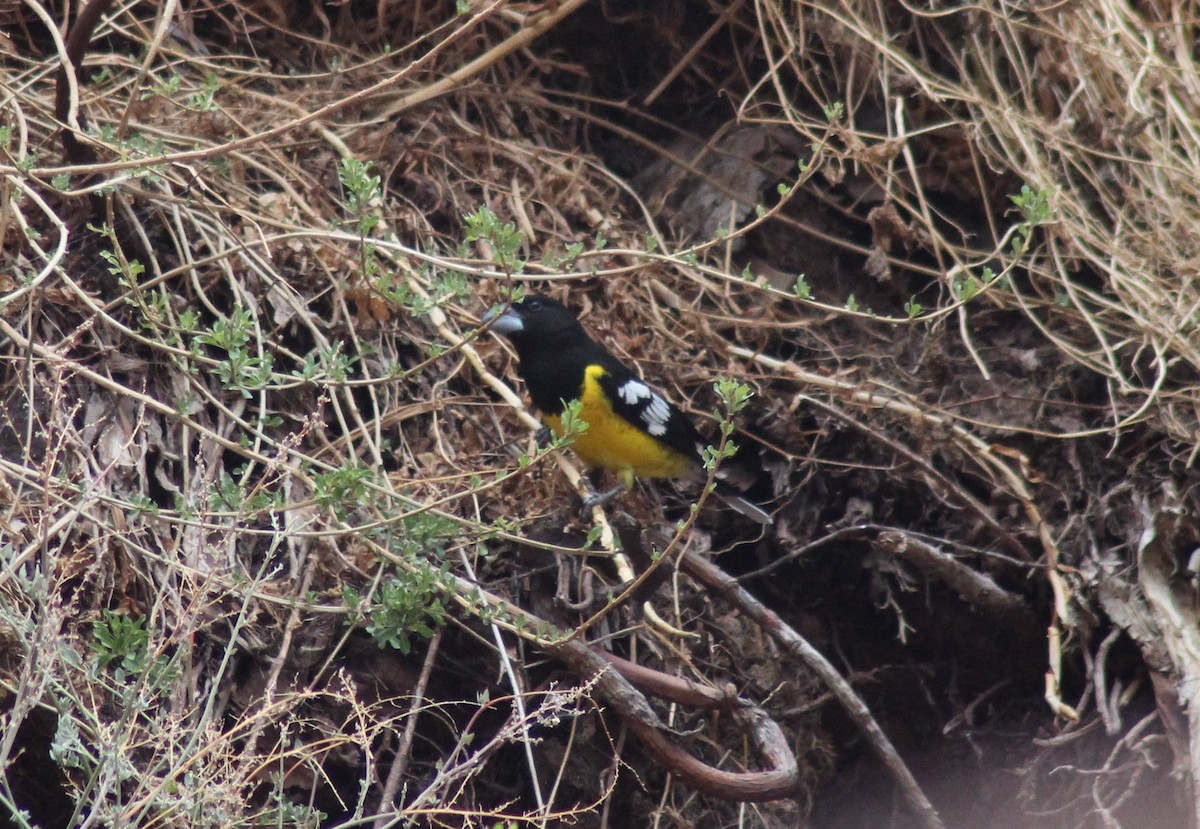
column 739, row 502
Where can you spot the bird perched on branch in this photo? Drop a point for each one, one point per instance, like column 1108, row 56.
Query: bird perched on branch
column 631, row 428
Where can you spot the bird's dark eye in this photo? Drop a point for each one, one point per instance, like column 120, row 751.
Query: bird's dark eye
column 533, row 304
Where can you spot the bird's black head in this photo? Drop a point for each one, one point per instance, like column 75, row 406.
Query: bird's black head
column 538, row 322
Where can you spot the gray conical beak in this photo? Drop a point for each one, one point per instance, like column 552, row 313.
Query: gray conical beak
column 507, row 322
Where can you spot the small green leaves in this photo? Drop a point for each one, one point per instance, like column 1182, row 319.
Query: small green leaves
column 1035, row 208
column 362, row 189
column 239, row 370
column 203, row 99
column 503, row 238
column 1034, row 205
column 802, row 289
column 572, row 424
column 121, row 639
column 167, row 88
column 967, row 288
column 229, row 332
column 127, row 273
column 734, row 397
column 341, row 490
column 405, row 605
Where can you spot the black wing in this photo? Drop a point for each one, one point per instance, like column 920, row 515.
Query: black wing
column 636, row 401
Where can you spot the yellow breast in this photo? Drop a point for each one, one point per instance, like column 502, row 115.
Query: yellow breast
column 612, row 442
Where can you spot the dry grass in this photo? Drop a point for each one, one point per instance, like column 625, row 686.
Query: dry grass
column 247, row 426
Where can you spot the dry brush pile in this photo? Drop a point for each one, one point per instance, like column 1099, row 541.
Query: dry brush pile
column 279, row 544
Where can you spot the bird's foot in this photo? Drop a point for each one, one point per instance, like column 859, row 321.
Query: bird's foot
column 599, row 499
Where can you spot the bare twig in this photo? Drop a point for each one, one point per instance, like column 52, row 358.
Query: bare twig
column 727, row 587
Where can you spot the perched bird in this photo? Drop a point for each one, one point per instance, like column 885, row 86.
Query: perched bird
column 631, row 428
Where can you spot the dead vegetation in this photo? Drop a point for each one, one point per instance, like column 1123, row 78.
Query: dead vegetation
column 277, row 546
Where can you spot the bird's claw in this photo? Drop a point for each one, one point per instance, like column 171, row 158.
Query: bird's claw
column 599, row 499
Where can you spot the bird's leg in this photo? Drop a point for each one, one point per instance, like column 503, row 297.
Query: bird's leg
column 599, row 499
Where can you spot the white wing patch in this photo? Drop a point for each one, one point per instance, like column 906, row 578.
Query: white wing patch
column 655, row 412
